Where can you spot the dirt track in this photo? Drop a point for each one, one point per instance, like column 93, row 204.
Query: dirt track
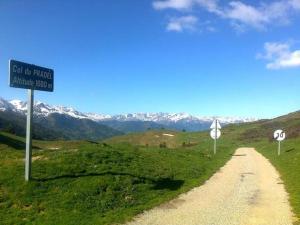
column 246, row 191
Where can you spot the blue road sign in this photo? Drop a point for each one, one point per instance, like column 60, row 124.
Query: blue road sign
column 28, row 76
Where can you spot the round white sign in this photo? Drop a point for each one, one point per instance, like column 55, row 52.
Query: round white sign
column 215, row 133
column 279, row 135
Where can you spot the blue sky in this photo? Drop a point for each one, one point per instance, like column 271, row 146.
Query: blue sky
column 204, row 57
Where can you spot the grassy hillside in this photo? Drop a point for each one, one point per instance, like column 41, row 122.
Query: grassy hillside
column 154, row 138
column 131, row 126
column 78, row 129
column 15, row 123
column 55, row 127
column 97, row 183
column 82, row 182
column 259, row 135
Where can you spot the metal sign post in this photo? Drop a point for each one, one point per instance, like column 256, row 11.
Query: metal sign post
column 31, row 77
column 215, row 145
column 215, row 133
column 29, row 135
column 279, row 135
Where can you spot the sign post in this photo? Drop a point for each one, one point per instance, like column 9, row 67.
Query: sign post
column 215, row 133
column 279, row 135
column 29, row 135
column 31, row 77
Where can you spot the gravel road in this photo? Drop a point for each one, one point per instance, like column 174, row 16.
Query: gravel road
column 246, row 191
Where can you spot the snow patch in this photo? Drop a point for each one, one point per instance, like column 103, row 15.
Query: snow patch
column 169, row 135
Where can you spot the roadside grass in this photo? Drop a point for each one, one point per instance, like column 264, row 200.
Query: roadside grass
column 98, row 183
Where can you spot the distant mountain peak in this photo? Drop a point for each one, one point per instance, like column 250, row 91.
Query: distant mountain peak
column 5, row 105
column 43, row 110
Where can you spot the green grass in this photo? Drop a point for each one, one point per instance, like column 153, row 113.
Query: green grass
column 85, row 182
column 94, row 183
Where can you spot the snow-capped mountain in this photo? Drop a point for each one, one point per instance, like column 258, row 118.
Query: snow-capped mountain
column 5, row 105
column 175, row 117
column 42, row 109
column 170, row 120
column 52, row 122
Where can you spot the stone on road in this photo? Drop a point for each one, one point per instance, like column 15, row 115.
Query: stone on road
column 246, row 191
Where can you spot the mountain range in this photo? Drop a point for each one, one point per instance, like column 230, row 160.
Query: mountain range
column 67, row 123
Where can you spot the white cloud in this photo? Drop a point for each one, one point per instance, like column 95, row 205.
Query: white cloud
column 295, row 4
column 261, row 16
column 245, row 14
column 179, row 24
column 173, row 4
column 209, row 5
column 240, row 14
column 280, row 56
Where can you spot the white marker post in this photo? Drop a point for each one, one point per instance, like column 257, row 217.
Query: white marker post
column 31, row 77
column 215, row 133
column 279, row 135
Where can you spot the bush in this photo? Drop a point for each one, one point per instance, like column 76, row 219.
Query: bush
column 163, row 145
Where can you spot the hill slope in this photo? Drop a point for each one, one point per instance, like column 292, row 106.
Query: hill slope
column 15, row 123
column 116, row 180
column 77, row 129
column 256, row 134
column 131, row 126
column 55, row 126
column 93, row 183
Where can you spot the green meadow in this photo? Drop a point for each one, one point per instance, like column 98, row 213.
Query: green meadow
column 97, row 183
column 85, row 182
